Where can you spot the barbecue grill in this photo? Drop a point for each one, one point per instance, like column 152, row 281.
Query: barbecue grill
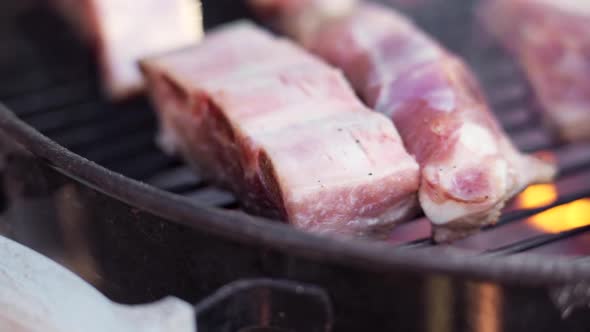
column 85, row 184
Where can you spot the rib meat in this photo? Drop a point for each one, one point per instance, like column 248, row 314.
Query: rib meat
column 551, row 39
column 284, row 131
column 125, row 31
column 468, row 165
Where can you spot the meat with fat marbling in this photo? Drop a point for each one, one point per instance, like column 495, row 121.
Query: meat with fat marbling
column 284, row 131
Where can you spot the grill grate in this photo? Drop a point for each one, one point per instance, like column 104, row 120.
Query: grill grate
column 49, row 82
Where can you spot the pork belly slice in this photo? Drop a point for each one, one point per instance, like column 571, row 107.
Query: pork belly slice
column 284, row 131
column 124, row 31
column 468, row 165
column 551, row 40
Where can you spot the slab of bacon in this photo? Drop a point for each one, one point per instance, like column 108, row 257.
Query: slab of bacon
column 284, row 131
column 551, row 39
column 469, row 167
column 125, row 31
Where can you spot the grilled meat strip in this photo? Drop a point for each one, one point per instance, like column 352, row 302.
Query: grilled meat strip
column 284, row 131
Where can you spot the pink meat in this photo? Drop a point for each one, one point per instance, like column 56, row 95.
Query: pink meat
column 302, row 17
column 125, row 31
column 469, row 167
column 551, row 39
column 284, row 131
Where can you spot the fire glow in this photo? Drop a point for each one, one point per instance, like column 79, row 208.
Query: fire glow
column 558, row 219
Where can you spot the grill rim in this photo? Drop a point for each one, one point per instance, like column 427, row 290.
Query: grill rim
column 522, row 269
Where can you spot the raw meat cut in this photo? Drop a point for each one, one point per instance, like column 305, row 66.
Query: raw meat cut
column 125, row 31
column 284, row 131
column 551, row 40
column 469, row 168
column 302, row 17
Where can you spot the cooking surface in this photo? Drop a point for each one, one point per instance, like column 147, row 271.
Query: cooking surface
column 49, row 80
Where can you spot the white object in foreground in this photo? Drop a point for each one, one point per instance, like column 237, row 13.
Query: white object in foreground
column 37, row 294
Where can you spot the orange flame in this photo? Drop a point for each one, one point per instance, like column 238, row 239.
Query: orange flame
column 556, row 220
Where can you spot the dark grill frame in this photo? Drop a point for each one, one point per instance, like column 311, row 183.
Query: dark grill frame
column 49, row 108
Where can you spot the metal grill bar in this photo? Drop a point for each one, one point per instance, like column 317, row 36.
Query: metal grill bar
column 105, row 132
column 35, row 81
column 54, row 121
column 537, row 241
column 516, row 120
column 132, row 146
column 59, row 96
column 145, row 166
column 175, row 178
column 575, row 248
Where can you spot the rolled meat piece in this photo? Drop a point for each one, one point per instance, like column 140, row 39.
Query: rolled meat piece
column 124, row 31
column 469, row 167
column 551, row 40
column 284, row 131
